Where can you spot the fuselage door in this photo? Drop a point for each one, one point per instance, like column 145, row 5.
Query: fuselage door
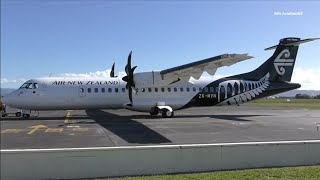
column 82, row 91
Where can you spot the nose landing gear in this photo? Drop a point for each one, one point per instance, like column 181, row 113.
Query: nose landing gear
column 26, row 114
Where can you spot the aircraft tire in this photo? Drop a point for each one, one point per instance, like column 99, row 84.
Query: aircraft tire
column 25, row 116
column 155, row 112
column 18, row 114
column 166, row 113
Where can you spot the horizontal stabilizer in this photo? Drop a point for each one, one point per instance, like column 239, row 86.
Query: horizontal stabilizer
column 291, row 42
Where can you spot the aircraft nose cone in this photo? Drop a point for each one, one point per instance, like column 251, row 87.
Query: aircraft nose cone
column 7, row 100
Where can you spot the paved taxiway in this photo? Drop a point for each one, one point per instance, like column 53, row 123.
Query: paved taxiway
column 91, row 128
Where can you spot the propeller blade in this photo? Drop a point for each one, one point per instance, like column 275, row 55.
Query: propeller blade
column 130, row 94
column 129, row 60
column 125, row 78
column 129, row 77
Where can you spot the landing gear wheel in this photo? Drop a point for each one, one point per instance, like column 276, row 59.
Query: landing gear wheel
column 166, row 113
column 25, row 116
column 155, row 112
column 18, row 114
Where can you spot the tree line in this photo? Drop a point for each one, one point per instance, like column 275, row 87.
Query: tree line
column 306, row 96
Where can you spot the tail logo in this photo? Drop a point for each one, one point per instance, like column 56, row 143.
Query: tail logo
column 280, row 63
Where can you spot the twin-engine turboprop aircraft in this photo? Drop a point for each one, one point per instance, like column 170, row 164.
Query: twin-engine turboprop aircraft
column 162, row 91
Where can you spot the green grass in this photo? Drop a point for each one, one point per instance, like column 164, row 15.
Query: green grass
column 292, row 173
column 299, row 103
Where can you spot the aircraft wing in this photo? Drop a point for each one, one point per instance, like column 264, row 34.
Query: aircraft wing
column 196, row 69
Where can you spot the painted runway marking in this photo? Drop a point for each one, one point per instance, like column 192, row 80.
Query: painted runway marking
column 80, row 129
column 54, row 130
column 35, row 128
column 44, row 128
column 66, row 121
column 11, row 131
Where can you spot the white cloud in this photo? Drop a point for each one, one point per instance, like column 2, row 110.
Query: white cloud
column 308, row 78
column 8, row 81
column 105, row 74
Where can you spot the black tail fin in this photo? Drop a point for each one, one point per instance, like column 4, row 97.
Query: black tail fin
column 280, row 65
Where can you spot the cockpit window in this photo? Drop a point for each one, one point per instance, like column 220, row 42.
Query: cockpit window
column 29, row 86
column 24, row 85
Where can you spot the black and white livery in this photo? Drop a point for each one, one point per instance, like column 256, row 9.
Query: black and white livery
column 162, row 91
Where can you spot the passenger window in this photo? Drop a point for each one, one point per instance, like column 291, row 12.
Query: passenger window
column 188, row 89
column 95, row 90
column 143, row 90
column 35, row 85
column 194, row 89
column 150, row 89
column 169, row 89
column 228, row 89
column 162, row 89
column 212, row 89
column 89, row 90
column 206, row 89
column 217, row 89
column 155, row 89
column 123, row 89
column 116, row 90
column 200, row 89
column 103, row 90
column 109, row 90
column 181, row 89
column 175, row 89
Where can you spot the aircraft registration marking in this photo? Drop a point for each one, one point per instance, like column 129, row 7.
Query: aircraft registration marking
column 208, row 96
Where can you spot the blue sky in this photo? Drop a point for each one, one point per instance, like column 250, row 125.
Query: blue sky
column 42, row 37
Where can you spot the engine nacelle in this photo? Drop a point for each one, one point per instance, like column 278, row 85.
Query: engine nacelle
column 149, row 79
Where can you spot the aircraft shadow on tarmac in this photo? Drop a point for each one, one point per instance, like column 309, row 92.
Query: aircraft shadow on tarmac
column 125, row 118
column 126, row 128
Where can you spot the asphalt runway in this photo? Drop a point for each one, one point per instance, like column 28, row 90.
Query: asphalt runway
column 101, row 128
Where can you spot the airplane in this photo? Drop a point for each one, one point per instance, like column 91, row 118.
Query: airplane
column 163, row 91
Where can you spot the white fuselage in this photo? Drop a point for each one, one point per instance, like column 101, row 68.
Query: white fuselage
column 99, row 93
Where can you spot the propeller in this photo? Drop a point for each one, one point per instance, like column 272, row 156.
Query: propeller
column 112, row 71
column 129, row 77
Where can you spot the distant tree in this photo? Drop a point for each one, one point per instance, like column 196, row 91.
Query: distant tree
column 317, row 97
column 303, row 96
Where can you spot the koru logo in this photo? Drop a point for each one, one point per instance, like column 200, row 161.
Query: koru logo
column 280, row 63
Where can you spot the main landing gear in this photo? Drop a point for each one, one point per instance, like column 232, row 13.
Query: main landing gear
column 166, row 111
